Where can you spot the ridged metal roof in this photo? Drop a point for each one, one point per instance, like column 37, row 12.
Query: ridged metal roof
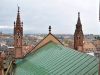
column 54, row 59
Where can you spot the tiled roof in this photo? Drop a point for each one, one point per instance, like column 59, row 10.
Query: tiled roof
column 3, row 54
column 88, row 45
column 54, row 59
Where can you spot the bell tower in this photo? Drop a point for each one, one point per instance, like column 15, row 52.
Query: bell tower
column 18, row 36
column 78, row 35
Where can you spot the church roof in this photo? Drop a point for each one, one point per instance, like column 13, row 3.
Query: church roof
column 56, row 59
column 48, row 38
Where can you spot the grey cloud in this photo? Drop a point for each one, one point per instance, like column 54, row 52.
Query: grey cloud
column 37, row 15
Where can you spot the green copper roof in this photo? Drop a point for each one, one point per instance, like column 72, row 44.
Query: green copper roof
column 54, row 59
column 18, row 60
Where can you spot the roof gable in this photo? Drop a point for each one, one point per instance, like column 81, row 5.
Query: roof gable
column 48, row 38
column 56, row 59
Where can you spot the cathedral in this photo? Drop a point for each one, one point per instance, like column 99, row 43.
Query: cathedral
column 50, row 56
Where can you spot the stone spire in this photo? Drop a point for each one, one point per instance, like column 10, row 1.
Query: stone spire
column 18, row 17
column 78, row 21
column 78, row 25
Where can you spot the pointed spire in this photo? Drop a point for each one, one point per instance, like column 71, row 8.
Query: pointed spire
column 78, row 21
column 18, row 17
column 78, row 14
column 49, row 29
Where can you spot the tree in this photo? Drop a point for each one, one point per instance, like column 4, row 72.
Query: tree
column 66, row 42
column 98, row 38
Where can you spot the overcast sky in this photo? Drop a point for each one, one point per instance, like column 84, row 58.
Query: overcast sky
column 62, row 15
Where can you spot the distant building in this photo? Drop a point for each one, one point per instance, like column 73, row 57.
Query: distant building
column 89, row 47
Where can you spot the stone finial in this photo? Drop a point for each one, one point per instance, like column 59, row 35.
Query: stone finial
column 49, row 29
column 18, row 7
column 78, row 14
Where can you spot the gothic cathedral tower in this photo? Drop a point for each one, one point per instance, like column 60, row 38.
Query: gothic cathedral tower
column 18, row 36
column 78, row 35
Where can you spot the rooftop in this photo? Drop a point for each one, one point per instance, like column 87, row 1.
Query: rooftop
column 55, row 59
